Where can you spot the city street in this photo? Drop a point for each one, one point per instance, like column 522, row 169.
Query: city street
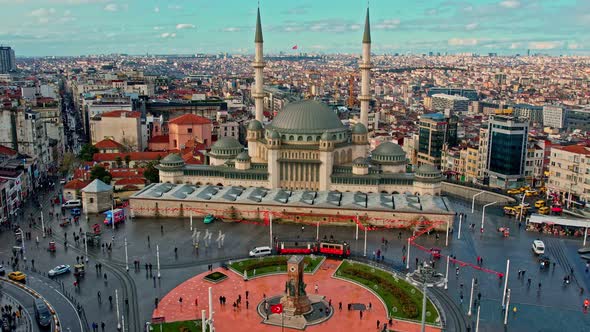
column 137, row 289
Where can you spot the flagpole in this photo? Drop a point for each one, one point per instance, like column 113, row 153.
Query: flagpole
column 282, row 322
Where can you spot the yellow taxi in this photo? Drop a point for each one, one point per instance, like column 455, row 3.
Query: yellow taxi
column 540, row 203
column 510, row 210
column 17, row 276
column 544, row 210
column 530, row 193
column 514, row 191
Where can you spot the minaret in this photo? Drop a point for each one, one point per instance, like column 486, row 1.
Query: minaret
column 365, row 67
column 258, row 65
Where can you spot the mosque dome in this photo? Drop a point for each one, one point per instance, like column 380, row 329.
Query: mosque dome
column 226, row 147
column 254, row 125
column 359, row 129
column 388, row 153
column 243, row 156
column 306, row 117
column 171, row 162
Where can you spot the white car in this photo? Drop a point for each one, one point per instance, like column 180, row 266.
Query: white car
column 60, row 269
column 538, row 247
column 260, row 251
column 73, row 203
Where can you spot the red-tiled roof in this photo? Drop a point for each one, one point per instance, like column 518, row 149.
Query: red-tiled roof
column 100, row 157
column 76, row 184
column 189, row 119
column 118, row 114
column 4, row 150
column 108, row 144
column 130, row 181
column 578, row 149
column 159, row 139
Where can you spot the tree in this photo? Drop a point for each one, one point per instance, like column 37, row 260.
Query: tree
column 99, row 172
column 67, row 163
column 151, row 173
column 87, row 152
column 119, row 161
column 128, row 160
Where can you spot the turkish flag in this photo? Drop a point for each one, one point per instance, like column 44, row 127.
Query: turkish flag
column 294, row 47
column 276, row 308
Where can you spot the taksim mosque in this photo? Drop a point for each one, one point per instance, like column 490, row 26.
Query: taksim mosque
column 306, row 147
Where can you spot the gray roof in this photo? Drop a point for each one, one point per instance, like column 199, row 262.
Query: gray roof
column 367, row 34
column 172, row 159
column 243, row 156
column 388, row 149
column 256, row 196
column 427, row 169
column 359, row 128
column 254, row 125
column 360, row 161
column 226, row 143
column 97, row 186
column 258, row 36
column 306, row 117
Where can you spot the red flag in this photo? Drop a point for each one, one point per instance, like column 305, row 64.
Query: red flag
column 276, row 308
column 294, row 47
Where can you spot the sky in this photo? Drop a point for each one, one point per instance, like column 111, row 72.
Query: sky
column 80, row 27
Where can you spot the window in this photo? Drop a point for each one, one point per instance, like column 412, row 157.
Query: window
column 91, row 200
column 189, row 130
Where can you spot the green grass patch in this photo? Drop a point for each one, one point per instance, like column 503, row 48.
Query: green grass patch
column 272, row 264
column 215, row 277
column 182, row 326
column 402, row 299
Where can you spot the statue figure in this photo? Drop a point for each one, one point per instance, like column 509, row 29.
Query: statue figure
column 302, row 286
column 291, row 288
column 286, row 287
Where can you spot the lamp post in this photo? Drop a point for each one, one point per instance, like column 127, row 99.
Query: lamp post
column 22, row 236
column 459, row 230
column 317, row 231
column 471, row 297
column 522, row 206
column 408, row 258
column 191, row 217
column 211, row 312
column 127, row 257
column 505, row 281
column 270, row 230
column 117, row 305
column 507, row 307
column 447, row 236
column 42, row 224
column 447, row 273
column 483, row 214
column 423, row 325
column 473, row 201
column 477, row 319
column 86, row 246
column 365, row 251
column 158, row 259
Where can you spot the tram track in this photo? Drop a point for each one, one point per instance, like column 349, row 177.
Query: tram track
column 556, row 249
column 454, row 318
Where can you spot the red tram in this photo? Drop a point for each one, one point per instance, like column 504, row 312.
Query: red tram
column 333, row 248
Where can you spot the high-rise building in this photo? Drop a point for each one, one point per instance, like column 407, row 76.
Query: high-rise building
column 578, row 119
column 506, row 151
column 436, row 131
column 468, row 93
column 456, row 104
column 554, row 116
column 568, row 172
column 7, row 59
column 531, row 112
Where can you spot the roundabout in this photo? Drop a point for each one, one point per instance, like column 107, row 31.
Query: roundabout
column 241, row 304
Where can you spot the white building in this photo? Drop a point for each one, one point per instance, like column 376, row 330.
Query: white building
column 554, row 116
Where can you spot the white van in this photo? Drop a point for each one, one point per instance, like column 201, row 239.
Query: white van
column 260, row 251
column 72, row 203
column 538, row 247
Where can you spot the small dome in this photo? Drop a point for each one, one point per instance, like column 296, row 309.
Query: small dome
column 426, row 170
column 359, row 129
column 226, row 147
column 360, row 161
column 171, row 161
column 273, row 134
column 326, row 136
column 254, row 125
column 389, row 149
column 243, row 156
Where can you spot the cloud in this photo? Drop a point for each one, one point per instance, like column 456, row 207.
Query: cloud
column 462, row 42
column 156, row 9
column 158, row 28
column 231, row 29
column 471, row 26
column 175, row 7
column 514, row 46
column 389, row 24
column 112, row 7
column 167, row 35
column 182, row 26
column 324, row 26
column 511, row 4
column 545, row 45
column 574, row 46
column 299, row 10
column 43, row 12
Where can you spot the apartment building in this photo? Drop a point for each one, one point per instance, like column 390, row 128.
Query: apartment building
column 569, row 173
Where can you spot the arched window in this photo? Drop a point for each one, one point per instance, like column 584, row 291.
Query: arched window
column 309, row 138
column 299, row 138
column 291, row 138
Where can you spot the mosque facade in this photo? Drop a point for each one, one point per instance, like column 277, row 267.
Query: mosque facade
column 306, row 147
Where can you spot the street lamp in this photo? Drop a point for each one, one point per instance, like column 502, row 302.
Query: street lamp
column 22, row 236
column 158, row 259
column 522, row 206
column 126, row 257
column 473, row 201
column 483, row 214
column 86, row 245
column 117, row 304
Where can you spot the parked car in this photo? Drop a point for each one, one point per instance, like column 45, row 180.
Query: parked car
column 17, row 276
column 538, row 247
column 72, row 203
column 42, row 313
column 260, row 251
column 60, row 269
column 540, row 203
column 2, row 270
column 544, row 210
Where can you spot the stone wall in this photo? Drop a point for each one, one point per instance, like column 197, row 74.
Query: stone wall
column 145, row 207
column 466, row 193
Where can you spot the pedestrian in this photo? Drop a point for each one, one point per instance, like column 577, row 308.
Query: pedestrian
column 99, row 298
column 247, row 304
column 461, row 298
column 316, row 288
column 457, row 271
column 539, row 285
column 528, row 282
column 111, row 300
column 162, row 229
column 102, row 325
column 155, row 302
column 370, row 306
column 349, row 306
column 220, row 300
column 378, row 324
column 247, row 294
column 361, row 314
column 302, row 229
column 478, row 296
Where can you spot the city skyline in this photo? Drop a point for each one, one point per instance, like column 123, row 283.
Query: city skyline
column 79, row 27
